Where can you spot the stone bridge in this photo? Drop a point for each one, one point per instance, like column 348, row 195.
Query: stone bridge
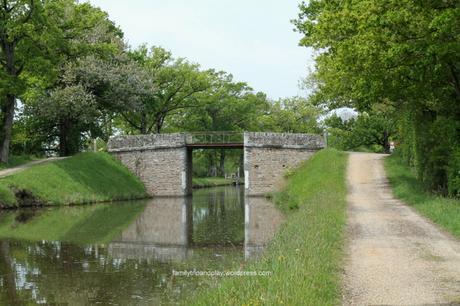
column 163, row 162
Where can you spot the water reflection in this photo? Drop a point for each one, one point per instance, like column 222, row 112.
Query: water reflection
column 161, row 232
column 170, row 228
column 262, row 220
column 125, row 254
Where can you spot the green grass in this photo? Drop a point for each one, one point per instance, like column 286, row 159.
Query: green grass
column 442, row 211
column 18, row 160
column 84, row 178
column 305, row 255
column 201, row 182
column 99, row 223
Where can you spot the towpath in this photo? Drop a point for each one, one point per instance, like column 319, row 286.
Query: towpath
column 10, row 171
column 394, row 256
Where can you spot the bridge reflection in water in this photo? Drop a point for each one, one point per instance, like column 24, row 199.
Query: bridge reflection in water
column 172, row 229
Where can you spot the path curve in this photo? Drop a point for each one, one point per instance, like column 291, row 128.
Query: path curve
column 11, row 171
column 394, row 256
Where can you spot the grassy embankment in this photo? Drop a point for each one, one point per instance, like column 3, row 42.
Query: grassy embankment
column 442, row 211
column 305, row 255
column 203, row 182
column 84, row 178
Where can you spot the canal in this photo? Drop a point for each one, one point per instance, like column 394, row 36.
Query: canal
column 130, row 253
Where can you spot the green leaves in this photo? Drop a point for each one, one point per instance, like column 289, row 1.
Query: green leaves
column 402, row 53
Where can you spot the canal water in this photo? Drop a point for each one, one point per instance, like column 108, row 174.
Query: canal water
column 129, row 253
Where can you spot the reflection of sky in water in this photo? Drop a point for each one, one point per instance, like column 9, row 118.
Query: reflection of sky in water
column 135, row 266
column 22, row 271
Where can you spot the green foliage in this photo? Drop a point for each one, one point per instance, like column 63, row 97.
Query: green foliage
column 39, row 39
column 84, row 178
column 72, row 106
column 291, row 115
column 305, row 255
column 402, row 53
column 370, row 130
column 176, row 84
column 454, row 174
column 443, row 211
column 227, row 105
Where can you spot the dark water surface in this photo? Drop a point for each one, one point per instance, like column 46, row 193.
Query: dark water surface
column 125, row 254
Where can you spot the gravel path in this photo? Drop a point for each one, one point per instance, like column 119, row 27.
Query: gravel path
column 10, row 171
column 394, row 256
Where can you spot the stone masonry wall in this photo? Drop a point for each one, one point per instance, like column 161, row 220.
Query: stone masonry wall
column 268, row 156
column 160, row 161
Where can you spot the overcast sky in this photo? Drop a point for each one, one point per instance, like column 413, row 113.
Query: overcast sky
column 252, row 39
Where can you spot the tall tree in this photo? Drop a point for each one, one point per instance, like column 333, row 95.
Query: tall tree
column 227, row 105
column 404, row 52
column 176, row 82
column 20, row 26
column 89, row 65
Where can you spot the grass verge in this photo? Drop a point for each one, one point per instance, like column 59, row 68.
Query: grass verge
column 443, row 211
column 84, row 178
column 203, row 182
column 305, row 255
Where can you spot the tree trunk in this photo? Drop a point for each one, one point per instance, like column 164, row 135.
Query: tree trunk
column 212, row 163
column 159, row 124
column 222, row 162
column 68, row 145
column 386, row 143
column 62, row 139
column 143, row 129
column 7, row 125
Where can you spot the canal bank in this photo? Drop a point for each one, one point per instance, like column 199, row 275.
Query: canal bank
column 206, row 182
column 83, row 178
column 129, row 253
column 305, row 256
column 302, row 261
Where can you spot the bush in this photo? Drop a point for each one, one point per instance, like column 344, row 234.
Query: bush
column 454, row 174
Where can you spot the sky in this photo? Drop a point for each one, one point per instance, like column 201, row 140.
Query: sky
column 251, row 39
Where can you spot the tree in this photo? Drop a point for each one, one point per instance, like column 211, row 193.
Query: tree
column 37, row 39
column 227, row 105
column 176, row 82
column 72, row 108
column 89, row 67
column 403, row 52
column 20, row 24
column 372, row 130
column 292, row 115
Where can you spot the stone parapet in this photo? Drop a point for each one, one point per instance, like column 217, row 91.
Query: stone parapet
column 284, row 141
column 146, row 142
